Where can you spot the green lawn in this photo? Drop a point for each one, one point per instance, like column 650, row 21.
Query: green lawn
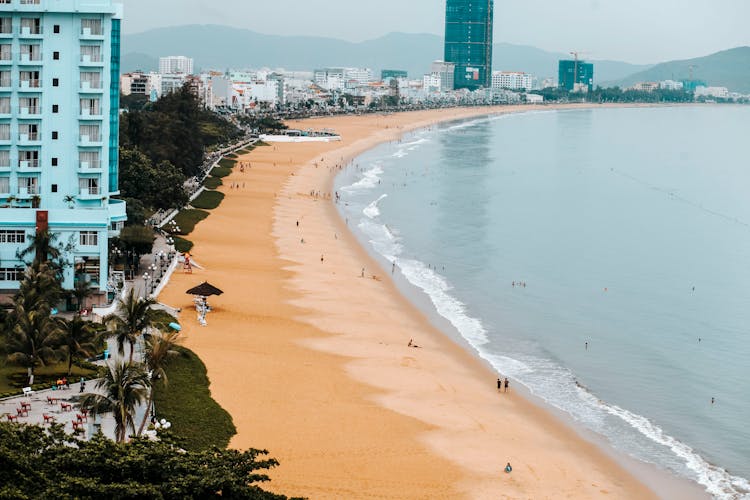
column 221, row 171
column 261, row 143
column 188, row 218
column 182, row 245
column 13, row 378
column 208, row 200
column 212, row 182
column 186, row 402
column 227, row 163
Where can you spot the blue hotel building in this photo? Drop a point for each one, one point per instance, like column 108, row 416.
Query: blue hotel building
column 59, row 117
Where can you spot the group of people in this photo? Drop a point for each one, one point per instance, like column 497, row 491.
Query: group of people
column 61, row 383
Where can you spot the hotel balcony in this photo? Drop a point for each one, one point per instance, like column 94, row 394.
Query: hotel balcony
column 89, row 88
column 92, row 60
column 90, row 140
column 5, row 140
column 28, row 191
column 90, row 194
column 30, row 139
column 30, row 60
column 90, row 167
column 88, row 114
column 89, row 34
column 29, row 111
column 30, row 86
column 27, row 165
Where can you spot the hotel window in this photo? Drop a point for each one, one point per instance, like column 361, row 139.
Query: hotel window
column 88, row 185
column 90, row 133
column 31, row 25
column 91, row 53
column 4, row 159
column 55, row 108
column 56, row 55
column 90, row 107
column 55, row 162
column 29, row 105
column 88, row 159
column 11, row 274
column 28, row 132
column 55, row 82
column 54, row 188
column 4, row 105
column 6, row 25
column 6, row 52
column 30, row 79
column 88, row 238
column 31, row 52
column 4, row 131
column 91, row 80
column 12, row 235
column 5, row 185
column 4, row 78
column 28, row 158
column 28, row 185
column 55, row 135
column 91, row 26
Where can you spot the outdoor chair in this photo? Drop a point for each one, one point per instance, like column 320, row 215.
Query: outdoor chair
column 12, row 418
column 66, row 406
column 48, row 419
column 81, row 418
column 22, row 412
column 27, row 392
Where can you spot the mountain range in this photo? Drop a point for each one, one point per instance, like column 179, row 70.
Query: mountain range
column 728, row 68
column 221, row 47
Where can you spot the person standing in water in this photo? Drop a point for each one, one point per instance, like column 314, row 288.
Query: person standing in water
column 506, row 384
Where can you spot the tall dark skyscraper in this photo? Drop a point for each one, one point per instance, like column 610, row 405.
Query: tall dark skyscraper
column 576, row 76
column 468, row 42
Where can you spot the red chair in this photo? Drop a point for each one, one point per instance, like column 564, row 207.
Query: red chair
column 12, row 418
column 25, row 405
column 48, row 419
column 81, row 418
column 22, row 412
column 66, row 406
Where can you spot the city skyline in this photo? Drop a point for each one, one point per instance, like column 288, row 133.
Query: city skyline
column 634, row 32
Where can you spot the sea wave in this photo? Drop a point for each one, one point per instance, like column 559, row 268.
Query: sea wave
column 372, row 210
column 370, row 179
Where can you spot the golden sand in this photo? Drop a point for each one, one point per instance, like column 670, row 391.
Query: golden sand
column 311, row 359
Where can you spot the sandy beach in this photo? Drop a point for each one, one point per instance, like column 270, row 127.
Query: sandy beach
column 311, row 359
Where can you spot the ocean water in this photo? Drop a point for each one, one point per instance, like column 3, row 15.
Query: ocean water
column 627, row 235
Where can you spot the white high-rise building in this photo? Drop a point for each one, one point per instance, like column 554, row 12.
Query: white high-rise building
column 175, row 65
column 59, row 119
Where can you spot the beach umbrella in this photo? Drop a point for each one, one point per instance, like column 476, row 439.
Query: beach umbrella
column 205, row 289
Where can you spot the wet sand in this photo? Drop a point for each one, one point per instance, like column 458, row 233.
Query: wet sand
column 311, row 360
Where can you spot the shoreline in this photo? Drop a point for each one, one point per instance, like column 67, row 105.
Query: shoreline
column 400, row 420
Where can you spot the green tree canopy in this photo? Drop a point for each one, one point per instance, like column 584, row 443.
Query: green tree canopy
column 35, row 463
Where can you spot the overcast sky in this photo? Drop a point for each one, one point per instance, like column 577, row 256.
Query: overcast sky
column 637, row 31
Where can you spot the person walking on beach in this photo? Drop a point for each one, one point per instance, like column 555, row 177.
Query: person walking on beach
column 506, row 384
column 499, row 385
column 363, row 273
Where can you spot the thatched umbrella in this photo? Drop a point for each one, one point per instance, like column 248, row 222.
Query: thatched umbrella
column 205, row 289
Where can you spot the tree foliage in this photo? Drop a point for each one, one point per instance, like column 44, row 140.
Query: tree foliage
column 35, row 463
column 132, row 317
column 175, row 129
column 156, row 186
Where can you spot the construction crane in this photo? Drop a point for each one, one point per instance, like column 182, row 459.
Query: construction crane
column 575, row 54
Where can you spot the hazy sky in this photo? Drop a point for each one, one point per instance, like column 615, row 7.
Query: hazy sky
column 638, row 31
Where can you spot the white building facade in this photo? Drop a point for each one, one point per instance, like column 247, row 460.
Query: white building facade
column 513, row 80
column 171, row 65
column 59, row 121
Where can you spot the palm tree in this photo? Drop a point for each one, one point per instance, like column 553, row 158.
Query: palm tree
column 122, row 389
column 43, row 245
column 81, row 291
column 31, row 331
column 32, row 339
column 132, row 317
column 76, row 337
column 159, row 350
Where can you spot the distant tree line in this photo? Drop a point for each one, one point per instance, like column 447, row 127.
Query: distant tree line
column 615, row 94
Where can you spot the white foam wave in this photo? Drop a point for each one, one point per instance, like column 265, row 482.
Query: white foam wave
column 372, row 210
column 369, row 180
column 400, row 153
column 436, row 287
column 718, row 482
